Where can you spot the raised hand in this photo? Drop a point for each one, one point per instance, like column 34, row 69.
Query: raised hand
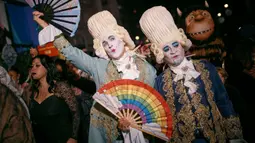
column 33, row 52
column 124, row 124
column 36, row 16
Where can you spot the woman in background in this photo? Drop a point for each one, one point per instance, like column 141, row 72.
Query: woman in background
column 53, row 106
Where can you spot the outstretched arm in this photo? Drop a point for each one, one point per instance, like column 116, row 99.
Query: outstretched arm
column 94, row 66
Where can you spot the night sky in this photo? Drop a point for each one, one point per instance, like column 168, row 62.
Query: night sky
column 243, row 13
column 131, row 11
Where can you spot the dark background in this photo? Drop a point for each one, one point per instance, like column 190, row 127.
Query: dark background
column 128, row 13
column 242, row 13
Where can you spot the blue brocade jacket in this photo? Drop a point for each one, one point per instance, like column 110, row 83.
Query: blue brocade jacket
column 205, row 116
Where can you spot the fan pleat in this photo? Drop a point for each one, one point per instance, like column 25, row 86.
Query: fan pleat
column 60, row 26
column 46, row 2
column 64, row 29
column 65, row 9
column 57, row 1
column 51, row 2
column 65, row 21
column 45, row 6
column 61, row 4
column 34, row 2
column 64, row 16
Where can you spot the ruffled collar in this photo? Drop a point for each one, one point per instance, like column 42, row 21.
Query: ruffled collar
column 127, row 66
column 186, row 71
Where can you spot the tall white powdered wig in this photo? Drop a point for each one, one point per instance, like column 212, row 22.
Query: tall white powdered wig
column 103, row 23
column 159, row 27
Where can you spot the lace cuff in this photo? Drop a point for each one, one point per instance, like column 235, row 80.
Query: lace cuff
column 60, row 42
column 233, row 128
column 48, row 34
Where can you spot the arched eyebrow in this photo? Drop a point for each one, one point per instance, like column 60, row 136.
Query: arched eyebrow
column 36, row 63
column 111, row 36
column 175, row 43
column 104, row 42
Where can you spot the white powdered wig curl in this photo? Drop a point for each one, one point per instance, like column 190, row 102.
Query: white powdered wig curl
column 159, row 27
column 102, row 23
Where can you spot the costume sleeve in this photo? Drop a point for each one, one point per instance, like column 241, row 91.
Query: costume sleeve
column 48, row 34
column 27, row 92
column 76, row 56
column 153, row 74
column 63, row 90
column 95, row 135
column 158, row 85
column 86, row 85
column 231, row 121
column 19, row 130
column 14, row 124
column 80, row 59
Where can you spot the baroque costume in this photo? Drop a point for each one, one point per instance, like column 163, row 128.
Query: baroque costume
column 197, row 98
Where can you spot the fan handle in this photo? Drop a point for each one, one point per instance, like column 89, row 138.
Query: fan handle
column 138, row 127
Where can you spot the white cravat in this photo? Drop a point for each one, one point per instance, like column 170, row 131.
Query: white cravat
column 133, row 136
column 127, row 66
column 187, row 71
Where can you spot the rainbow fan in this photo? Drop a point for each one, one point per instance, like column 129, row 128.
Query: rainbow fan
column 145, row 108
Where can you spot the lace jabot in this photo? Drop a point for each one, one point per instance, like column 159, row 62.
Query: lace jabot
column 186, row 71
column 127, row 66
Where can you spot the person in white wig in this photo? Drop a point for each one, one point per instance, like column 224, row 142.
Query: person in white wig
column 113, row 46
column 199, row 103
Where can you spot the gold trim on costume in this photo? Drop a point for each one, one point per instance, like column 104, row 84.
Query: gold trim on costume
column 103, row 119
column 61, row 42
column 233, row 126
column 192, row 111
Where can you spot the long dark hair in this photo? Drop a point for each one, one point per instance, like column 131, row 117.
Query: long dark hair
column 51, row 76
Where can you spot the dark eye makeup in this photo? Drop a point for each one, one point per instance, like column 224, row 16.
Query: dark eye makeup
column 166, row 48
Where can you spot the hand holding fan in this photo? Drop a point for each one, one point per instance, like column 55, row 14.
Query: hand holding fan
column 145, row 108
column 63, row 14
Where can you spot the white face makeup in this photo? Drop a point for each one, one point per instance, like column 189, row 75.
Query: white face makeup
column 113, row 46
column 173, row 53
